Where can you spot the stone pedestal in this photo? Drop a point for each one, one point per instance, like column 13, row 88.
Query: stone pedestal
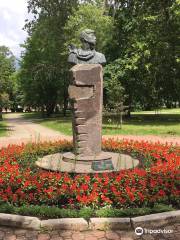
column 86, row 94
column 57, row 162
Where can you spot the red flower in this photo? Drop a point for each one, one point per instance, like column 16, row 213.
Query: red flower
column 125, row 188
column 141, row 196
column 161, row 193
column 84, row 187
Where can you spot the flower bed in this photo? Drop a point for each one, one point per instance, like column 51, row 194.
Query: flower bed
column 155, row 181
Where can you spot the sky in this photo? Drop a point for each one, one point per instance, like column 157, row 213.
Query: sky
column 12, row 19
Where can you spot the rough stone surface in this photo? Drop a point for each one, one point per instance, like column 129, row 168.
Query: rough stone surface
column 80, row 92
column 10, row 234
column 43, row 236
column 86, row 94
column 65, row 223
column 112, row 235
column 110, row 223
column 81, row 164
column 88, row 158
column 81, row 121
column 121, row 231
column 19, row 221
column 160, row 219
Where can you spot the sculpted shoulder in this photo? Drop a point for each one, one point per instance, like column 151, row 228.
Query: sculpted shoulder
column 100, row 58
column 72, row 58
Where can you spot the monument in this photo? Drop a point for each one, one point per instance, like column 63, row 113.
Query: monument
column 86, row 95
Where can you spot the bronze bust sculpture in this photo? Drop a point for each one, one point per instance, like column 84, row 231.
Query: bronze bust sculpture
column 86, row 54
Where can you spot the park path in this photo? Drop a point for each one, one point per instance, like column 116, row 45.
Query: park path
column 24, row 130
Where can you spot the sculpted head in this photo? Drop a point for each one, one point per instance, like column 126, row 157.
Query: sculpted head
column 87, row 53
column 88, row 36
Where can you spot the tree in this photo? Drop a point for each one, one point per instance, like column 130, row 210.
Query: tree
column 7, row 67
column 114, row 96
column 139, row 39
column 4, row 101
column 144, row 51
column 43, row 72
column 113, row 88
column 44, row 68
column 16, row 96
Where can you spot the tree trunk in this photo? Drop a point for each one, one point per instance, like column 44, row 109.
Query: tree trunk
column 168, row 104
column 42, row 110
column 128, row 113
column 120, row 120
column 50, row 109
column 0, row 114
column 65, row 93
column 65, row 105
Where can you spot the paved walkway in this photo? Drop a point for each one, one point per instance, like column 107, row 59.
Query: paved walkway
column 21, row 234
column 23, row 130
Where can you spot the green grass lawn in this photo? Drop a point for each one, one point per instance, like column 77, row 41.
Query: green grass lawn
column 166, row 122
column 62, row 125
column 160, row 111
column 3, row 129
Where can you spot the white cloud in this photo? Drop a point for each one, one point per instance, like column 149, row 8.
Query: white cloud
column 12, row 18
column 6, row 40
column 6, row 15
column 14, row 5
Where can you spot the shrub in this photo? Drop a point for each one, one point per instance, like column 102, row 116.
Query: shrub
column 85, row 212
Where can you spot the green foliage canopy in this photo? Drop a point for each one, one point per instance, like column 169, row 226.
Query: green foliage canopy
column 92, row 17
column 7, row 67
column 144, row 52
column 139, row 39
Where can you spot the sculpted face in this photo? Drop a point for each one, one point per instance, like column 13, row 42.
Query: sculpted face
column 91, row 38
column 88, row 35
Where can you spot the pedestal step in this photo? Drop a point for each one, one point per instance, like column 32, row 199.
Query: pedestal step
column 105, row 162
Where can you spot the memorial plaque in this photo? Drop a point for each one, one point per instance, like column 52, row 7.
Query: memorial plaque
column 102, row 165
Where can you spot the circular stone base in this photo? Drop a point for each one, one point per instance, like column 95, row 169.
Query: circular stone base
column 71, row 157
column 112, row 162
